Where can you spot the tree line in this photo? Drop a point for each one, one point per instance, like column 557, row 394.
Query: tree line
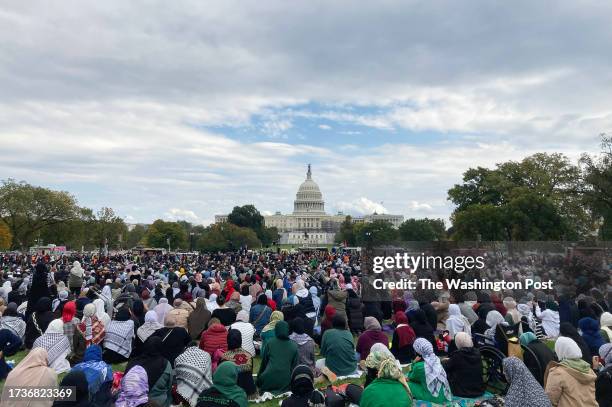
column 542, row 197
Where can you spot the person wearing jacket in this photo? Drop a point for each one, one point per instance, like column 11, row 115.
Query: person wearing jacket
column 280, row 358
column 355, row 313
column 215, row 337
column 373, row 334
column 603, row 384
column 571, row 382
column 591, row 334
column 463, row 368
column 337, row 299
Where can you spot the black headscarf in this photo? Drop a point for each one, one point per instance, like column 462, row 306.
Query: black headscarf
column 234, row 339
column 139, row 311
column 78, row 380
column 302, row 381
column 123, row 314
column 568, row 330
column 262, row 299
column 151, row 359
column 11, row 310
column 39, row 287
column 170, row 295
column 297, row 325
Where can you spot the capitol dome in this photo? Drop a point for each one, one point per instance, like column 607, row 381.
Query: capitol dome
column 309, row 199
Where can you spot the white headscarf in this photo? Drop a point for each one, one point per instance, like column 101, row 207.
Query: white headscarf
column 494, row 318
column 100, row 313
column 456, row 322
column 76, row 269
column 162, row 309
column 566, row 348
column 435, row 376
column 149, row 327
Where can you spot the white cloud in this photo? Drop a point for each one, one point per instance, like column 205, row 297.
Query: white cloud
column 419, row 206
column 361, row 206
column 175, row 214
column 324, row 127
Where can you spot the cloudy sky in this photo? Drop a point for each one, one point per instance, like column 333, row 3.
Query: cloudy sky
column 181, row 110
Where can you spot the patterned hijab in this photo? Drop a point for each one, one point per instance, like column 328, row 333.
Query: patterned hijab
column 274, row 318
column 524, row 389
column 95, row 369
column 192, row 370
column 434, row 372
column 134, row 388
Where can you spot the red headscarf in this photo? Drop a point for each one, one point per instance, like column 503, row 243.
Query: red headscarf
column 330, row 311
column 69, row 311
column 229, row 289
column 405, row 333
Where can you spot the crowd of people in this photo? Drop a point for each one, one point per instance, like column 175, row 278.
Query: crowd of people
column 160, row 330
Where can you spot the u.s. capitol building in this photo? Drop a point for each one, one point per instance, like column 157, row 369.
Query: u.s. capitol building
column 309, row 224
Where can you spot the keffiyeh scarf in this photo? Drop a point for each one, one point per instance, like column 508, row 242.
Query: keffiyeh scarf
column 193, row 374
column 435, row 375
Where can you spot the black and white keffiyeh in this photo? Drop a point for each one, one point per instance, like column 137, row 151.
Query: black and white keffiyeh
column 193, row 374
column 14, row 324
column 119, row 336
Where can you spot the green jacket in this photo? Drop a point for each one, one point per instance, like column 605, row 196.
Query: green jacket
column 280, row 356
column 339, row 350
column 385, row 393
column 418, row 385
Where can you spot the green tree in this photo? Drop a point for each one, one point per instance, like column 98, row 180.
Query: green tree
column 347, row 232
column 550, row 177
column 6, row 238
column 227, row 236
column 480, row 221
column 160, row 231
column 246, row 216
column 109, row 229
column 136, row 236
column 28, row 209
column 597, row 185
column 413, row 230
column 533, row 217
column 268, row 236
column 375, row 233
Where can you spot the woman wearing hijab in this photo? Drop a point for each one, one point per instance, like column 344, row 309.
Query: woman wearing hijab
column 118, row 337
column 571, row 382
column 390, row 383
column 567, row 330
column 427, row 376
column 198, row 319
column 148, row 301
column 247, row 331
column 279, row 294
column 603, row 384
column 422, row 328
column 338, row 350
column 464, row 368
column 456, row 322
column 211, row 303
column 90, row 327
column 328, row 316
column 12, row 321
column 550, row 319
column 242, row 359
column 306, row 345
column 70, row 321
column 57, row 346
column 38, row 321
column 372, row 334
column 75, row 278
column 540, row 355
column 403, row 338
column 589, row 328
column 76, row 380
column 192, row 371
column 174, row 339
column 100, row 311
column 499, row 330
column 260, row 314
column 280, row 356
column 98, row 373
column 224, row 391
column 134, row 388
column 38, row 290
column 512, row 316
column 32, row 371
column 162, row 309
column 480, row 326
column 159, row 371
column 524, row 390
column 267, row 332
column 303, row 393
column 147, row 329
column 9, row 345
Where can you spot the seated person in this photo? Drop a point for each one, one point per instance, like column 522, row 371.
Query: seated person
column 403, row 338
column 390, row 384
column 372, row 334
column 242, row 359
column 464, row 368
column 427, row 376
column 225, row 391
column 338, row 350
column 543, row 355
column 303, row 393
column 280, row 356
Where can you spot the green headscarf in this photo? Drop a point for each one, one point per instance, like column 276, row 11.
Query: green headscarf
column 281, row 330
column 225, row 380
column 527, row 338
